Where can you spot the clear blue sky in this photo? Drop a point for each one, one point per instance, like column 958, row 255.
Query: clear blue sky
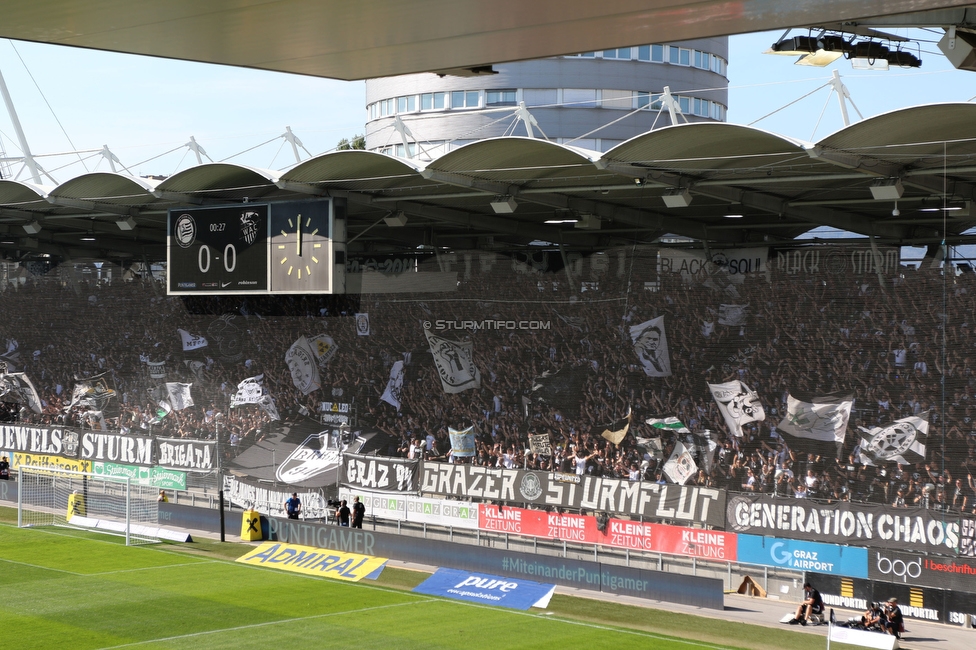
column 141, row 107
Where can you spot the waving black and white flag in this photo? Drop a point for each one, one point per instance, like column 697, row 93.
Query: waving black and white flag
column 651, row 347
column 191, row 341
column 738, row 404
column 455, row 363
column 562, row 389
column 324, row 348
column 680, row 465
column 394, row 387
column 249, row 391
column 903, row 441
column 303, row 366
column 817, row 425
column 17, row 388
column 179, row 395
column 732, row 315
column 92, row 392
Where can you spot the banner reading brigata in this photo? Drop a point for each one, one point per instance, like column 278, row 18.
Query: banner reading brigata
column 687, row 504
column 180, row 453
column 379, row 473
column 857, row 524
column 637, row 536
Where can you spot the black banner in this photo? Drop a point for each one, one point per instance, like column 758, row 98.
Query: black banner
column 684, row 504
column 856, row 524
column 115, row 448
column 51, row 441
column 379, row 473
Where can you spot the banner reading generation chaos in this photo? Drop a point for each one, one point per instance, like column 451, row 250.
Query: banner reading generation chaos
column 856, row 524
column 689, row 504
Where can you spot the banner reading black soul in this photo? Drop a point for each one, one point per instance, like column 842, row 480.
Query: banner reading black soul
column 685, row 504
column 379, row 473
column 857, row 524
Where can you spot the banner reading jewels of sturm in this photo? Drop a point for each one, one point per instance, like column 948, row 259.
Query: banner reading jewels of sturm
column 674, row 502
column 379, row 473
column 856, row 524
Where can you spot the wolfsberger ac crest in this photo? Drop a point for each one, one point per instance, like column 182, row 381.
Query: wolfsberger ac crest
column 319, row 453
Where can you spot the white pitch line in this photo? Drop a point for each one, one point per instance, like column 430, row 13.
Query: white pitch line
column 252, row 626
column 46, row 568
column 150, row 568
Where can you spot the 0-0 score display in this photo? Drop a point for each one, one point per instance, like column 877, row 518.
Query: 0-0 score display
column 255, row 248
column 218, row 250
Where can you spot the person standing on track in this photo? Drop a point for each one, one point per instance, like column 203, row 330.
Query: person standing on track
column 358, row 512
column 293, row 506
column 342, row 514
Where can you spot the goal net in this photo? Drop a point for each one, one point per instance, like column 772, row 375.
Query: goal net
column 112, row 505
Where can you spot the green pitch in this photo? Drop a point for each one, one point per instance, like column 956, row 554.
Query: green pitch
column 67, row 589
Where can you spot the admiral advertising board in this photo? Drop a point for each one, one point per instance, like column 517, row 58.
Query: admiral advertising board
column 685, row 504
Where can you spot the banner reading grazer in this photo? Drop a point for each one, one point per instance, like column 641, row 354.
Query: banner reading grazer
column 379, row 473
column 687, row 504
column 857, row 524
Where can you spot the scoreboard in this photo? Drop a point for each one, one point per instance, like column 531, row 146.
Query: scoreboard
column 251, row 248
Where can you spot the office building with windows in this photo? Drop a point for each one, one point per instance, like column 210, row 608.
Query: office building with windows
column 593, row 100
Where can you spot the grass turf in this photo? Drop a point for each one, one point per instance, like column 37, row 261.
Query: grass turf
column 83, row 590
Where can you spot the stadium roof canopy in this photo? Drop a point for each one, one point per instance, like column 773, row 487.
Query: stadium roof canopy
column 718, row 183
column 358, row 40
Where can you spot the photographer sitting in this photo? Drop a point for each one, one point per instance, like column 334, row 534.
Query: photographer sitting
column 892, row 619
column 812, row 604
column 871, row 620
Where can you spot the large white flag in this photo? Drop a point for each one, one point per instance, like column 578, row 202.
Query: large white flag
column 324, row 348
column 394, row 387
column 269, row 407
column 191, row 341
column 817, row 425
column 651, row 347
column 732, row 315
column 16, row 387
column 249, row 391
column 681, row 465
column 738, row 404
column 455, row 363
column 179, row 395
column 304, row 369
column 903, row 442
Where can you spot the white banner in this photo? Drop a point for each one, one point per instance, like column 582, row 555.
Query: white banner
column 732, row 315
column 394, row 387
column 362, row 324
column 455, row 363
column 462, row 442
column 651, row 347
column 303, row 366
column 157, row 369
column 179, row 395
column 681, row 465
column 191, row 341
column 738, row 404
column 816, row 425
column 436, row 512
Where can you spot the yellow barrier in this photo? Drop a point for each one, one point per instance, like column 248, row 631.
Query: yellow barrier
column 251, row 526
column 76, row 505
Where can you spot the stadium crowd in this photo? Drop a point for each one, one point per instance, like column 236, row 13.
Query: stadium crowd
column 899, row 341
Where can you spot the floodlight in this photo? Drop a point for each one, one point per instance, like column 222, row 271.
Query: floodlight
column 887, row 189
column 126, row 223
column 397, row 220
column 504, row 205
column 677, row 198
column 32, row 228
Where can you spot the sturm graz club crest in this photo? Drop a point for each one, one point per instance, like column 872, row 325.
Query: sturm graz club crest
column 185, row 231
column 69, row 443
column 530, row 487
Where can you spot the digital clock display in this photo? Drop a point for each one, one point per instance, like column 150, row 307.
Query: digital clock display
column 218, row 250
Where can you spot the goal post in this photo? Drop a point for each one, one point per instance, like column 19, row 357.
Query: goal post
column 107, row 504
